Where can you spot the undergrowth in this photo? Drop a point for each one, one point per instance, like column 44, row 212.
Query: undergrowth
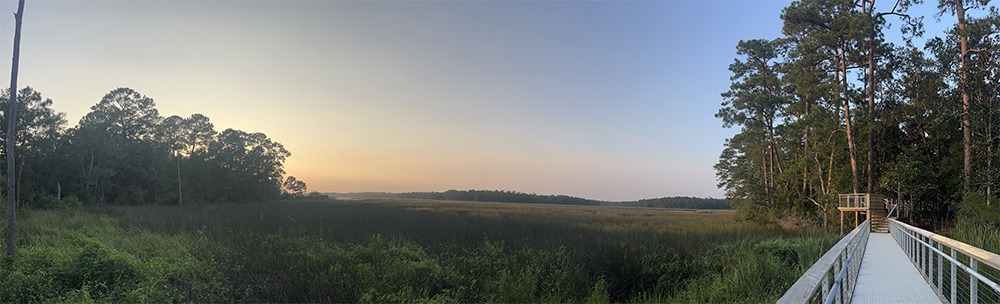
column 394, row 252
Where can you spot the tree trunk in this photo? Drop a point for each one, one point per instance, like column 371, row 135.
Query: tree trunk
column 847, row 115
column 180, row 195
column 966, row 125
column 17, row 184
column 829, row 173
column 805, row 155
column 871, row 102
column 12, row 117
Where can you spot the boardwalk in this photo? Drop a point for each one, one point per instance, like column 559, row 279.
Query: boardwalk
column 867, row 266
column 887, row 276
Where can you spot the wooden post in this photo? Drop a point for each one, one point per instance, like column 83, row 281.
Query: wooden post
column 11, row 118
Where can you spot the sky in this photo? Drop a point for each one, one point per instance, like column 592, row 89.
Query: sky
column 610, row 100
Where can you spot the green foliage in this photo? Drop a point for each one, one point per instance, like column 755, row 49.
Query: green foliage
column 681, row 202
column 71, row 201
column 124, row 153
column 978, row 222
column 403, row 251
column 293, row 187
column 71, row 256
column 975, row 212
column 755, row 273
column 830, row 107
column 48, row 202
column 599, row 293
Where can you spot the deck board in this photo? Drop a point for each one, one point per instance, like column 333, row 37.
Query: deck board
column 888, row 276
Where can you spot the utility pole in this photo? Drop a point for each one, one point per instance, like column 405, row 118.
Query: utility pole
column 11, row 118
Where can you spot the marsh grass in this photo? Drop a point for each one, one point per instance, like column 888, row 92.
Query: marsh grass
column 404, row 251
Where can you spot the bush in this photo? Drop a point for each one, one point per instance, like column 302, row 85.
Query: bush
column 323, row 251
column 975, row 212
column 71, row 201
column 978, row 223
column 73, row 256
column 48, row 202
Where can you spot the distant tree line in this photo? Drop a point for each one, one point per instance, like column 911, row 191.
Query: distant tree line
column 831, row 107
column 499, row 196
column 680, row 202
column 362, row 195
column 124, row 153
column 531, row 198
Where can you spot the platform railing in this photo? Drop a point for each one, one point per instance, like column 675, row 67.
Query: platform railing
column 832, row 278
column 958, row 272
column 855, row 200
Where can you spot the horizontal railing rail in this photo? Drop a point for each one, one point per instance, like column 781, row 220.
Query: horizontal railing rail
column 955, row 275
column 831, row 279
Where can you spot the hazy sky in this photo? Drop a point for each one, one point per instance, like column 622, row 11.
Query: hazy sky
column 600, row 99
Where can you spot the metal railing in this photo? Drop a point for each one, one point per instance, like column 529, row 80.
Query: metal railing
column 859, row 200
column 958, row 272
column 856, row 200
column 831, row 279
column 897, row 205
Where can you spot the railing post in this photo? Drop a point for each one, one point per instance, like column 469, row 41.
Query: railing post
column 954, row 278
column 940, row 270
column 973, row 282
column 826, row 285
column 927, row 256
column 909, row 246
column 920, row 253
column 906, row 242
column 840, row 264
column 926, row 250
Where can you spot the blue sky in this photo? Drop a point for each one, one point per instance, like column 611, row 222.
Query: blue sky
column 601, row 99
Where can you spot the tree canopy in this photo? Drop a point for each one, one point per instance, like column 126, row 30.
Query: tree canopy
column 123, row 152
column 831, row 107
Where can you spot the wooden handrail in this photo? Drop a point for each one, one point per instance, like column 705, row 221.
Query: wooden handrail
column 983, row 256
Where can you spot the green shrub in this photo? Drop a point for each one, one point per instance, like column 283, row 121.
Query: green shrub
column 599, row 293
column 47, row 202
column 95, row 267
column 72, row 256
column 974, row 211
column 311, row 251
column 71, row 201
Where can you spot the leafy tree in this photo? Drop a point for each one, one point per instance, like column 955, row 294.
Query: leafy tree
column 754, row 102
column 250, row 165
column 38, row 130
column 837, row 79
column 126, row 113
column 963, row 32
column 294, row 187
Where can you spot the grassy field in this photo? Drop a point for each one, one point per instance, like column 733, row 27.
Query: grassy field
column 401, row 251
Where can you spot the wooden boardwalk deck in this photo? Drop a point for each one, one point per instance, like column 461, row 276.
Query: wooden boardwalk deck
column 888, row 276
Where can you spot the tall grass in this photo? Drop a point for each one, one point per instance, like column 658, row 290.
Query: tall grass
column 978, row 223
column 402, row 251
